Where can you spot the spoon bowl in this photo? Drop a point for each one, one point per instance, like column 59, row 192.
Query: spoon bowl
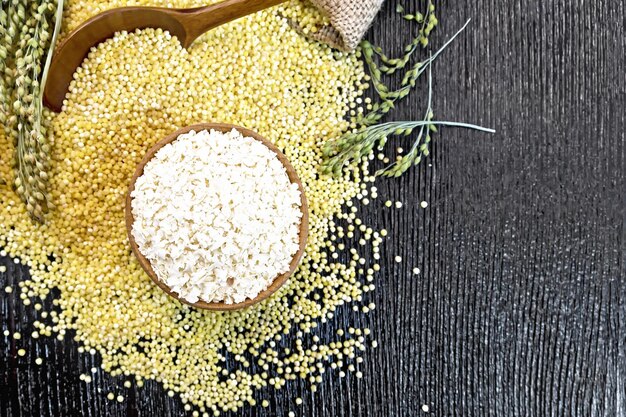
column 303, row 230
column 185, row 24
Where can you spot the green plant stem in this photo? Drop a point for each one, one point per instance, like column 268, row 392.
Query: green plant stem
column 357, row 144
column 408, row 83
column 58, row 17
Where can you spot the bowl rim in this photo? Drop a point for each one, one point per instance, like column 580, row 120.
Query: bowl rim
column 303, row 230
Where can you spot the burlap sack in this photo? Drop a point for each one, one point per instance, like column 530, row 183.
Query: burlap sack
column 349, row 19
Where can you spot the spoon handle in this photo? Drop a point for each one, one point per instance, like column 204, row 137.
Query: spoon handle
column 200, row 20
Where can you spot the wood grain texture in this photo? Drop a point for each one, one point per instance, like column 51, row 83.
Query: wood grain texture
column 520, row 306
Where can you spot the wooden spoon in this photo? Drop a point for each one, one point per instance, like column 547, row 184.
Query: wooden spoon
column 303, row 230
column 185, row 24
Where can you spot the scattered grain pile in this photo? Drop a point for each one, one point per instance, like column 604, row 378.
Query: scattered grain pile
column 135, row 89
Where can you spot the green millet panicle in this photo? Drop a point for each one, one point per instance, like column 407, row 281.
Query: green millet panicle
column 12, row 18
column 23, row 110
column 357, row 144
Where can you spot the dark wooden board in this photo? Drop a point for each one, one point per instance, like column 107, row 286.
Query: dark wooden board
column 520, row 308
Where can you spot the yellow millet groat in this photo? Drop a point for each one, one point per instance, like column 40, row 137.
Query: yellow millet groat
column 129, row 93
column 303, row 13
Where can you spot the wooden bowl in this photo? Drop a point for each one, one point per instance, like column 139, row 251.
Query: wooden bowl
column 293, row 177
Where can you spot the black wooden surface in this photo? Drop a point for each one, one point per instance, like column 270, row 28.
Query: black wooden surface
column 520, row 307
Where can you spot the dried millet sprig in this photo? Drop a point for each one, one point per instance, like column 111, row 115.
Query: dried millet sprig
column 12, row 19
column 6, row 41
column 31, row 155
column 28, row 129
column 4, row 87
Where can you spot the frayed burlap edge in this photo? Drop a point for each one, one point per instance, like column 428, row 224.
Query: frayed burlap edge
column 349, row 20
